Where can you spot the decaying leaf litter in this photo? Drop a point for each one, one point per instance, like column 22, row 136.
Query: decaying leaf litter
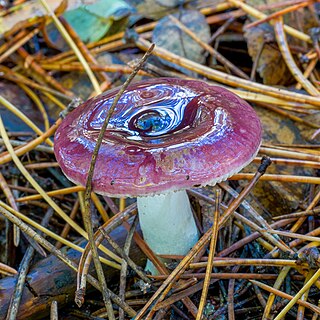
column 265, row 262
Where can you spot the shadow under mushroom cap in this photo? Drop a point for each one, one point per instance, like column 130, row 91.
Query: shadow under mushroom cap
column 165, row 135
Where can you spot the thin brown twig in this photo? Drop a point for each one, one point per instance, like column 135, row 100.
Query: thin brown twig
column 314, row 211
column 212, row 250
column 22, row 273
column 285, row 295
column 278, row 13
column 85, row 259
column 124, row 265
column 6, row 270
column 29, row 62
column 18, row 44
column 277, row 177
column 232, row 282
column 87, row 196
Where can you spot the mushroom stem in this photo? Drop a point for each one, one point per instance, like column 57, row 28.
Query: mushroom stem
column 167, row 223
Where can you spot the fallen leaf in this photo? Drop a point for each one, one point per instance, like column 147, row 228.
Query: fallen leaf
column 21, row 101
column 92, row 22
column 277, row 197
column 271, row 67
column 167, row 35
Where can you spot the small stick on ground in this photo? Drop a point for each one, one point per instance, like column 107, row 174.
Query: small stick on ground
column 124, row 265
column 212, row 249
column 23, row 271
column 87, row 213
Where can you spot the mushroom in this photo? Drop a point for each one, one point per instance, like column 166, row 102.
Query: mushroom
column 166, row 135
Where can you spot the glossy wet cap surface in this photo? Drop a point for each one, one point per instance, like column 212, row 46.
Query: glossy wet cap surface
column 165, row 134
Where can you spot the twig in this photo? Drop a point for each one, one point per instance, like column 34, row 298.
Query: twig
column 23, row 270
column 52, row 193
column 277, row 177
column 259, row 15
column 124, row 265
column 6, row 270
column 277, row 151
column 286, row 54
column 18, row 44
column 300, row 214
column 87, row 197
column 295, row 235
column 265, row 162
column 212, row 249
column 76, row 66
column 17, row 143
column 285, row 296
column 224, row 262
column 54, row 310
column 221, row 30
column 229, row 275
column 278, row 13
column 210, row 49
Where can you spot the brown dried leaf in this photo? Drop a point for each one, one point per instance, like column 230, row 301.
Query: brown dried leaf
column 280, row 198
column 167, row 35
column 271, row 67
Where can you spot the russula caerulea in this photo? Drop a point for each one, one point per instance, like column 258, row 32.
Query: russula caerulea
column 166, row 135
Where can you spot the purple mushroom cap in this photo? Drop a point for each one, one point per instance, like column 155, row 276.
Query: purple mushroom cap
column 165, row 135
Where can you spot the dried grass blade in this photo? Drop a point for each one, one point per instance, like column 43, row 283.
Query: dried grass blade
column 73, row 46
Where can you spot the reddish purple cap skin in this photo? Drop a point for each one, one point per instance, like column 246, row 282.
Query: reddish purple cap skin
column 165, row 135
